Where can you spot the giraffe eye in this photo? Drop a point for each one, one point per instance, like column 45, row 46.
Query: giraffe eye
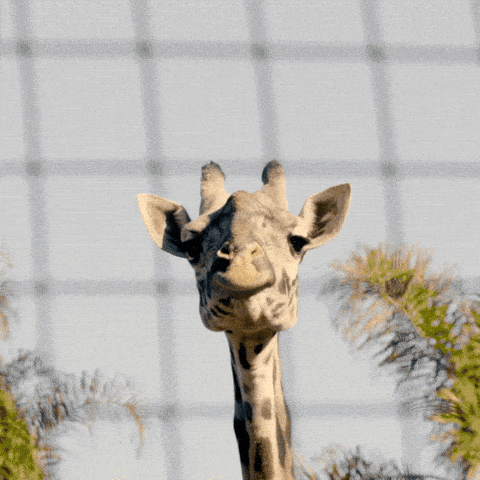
column 298, row 242
column 193, row 249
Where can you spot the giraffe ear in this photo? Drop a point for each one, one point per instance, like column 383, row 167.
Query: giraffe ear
column 323, row 215
column 164, row 220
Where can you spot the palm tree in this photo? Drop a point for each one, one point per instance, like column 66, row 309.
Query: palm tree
column 429, row 320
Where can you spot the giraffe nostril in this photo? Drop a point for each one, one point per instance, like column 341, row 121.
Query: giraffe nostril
column 224, row 252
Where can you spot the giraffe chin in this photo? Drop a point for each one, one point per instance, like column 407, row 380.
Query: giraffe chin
column 248, row 314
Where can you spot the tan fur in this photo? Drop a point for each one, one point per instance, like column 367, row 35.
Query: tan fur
column 245, row 249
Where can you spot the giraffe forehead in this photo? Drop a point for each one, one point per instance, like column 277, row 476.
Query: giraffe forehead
column 242, row 215
column 253, row 209
column 261, row 204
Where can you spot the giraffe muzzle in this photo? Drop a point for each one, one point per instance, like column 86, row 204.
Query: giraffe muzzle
column 247, row 272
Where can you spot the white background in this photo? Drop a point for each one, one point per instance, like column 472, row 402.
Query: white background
column 83, row 117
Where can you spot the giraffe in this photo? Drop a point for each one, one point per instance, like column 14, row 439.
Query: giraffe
column 245, row 249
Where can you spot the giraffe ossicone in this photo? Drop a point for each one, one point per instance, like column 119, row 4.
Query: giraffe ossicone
column 245, row 249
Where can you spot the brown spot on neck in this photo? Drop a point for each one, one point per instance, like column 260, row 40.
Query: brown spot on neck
column 267, row 409
column 263, row 458
column 261, row 415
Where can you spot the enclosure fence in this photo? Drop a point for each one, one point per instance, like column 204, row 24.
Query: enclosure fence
column 36, row 168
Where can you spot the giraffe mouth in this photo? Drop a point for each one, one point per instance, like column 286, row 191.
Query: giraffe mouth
column 243, row 284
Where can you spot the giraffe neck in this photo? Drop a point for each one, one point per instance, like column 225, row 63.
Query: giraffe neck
column 261, row 421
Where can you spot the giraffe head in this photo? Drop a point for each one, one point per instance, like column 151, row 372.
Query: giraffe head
column 245, row 248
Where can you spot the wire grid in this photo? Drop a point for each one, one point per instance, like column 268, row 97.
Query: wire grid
column 261, row 52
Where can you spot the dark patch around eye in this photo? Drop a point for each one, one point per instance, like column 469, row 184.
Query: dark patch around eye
column 298, row 242
column 193, row 249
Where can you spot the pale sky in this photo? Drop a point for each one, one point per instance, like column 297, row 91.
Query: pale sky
column 93, row 113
